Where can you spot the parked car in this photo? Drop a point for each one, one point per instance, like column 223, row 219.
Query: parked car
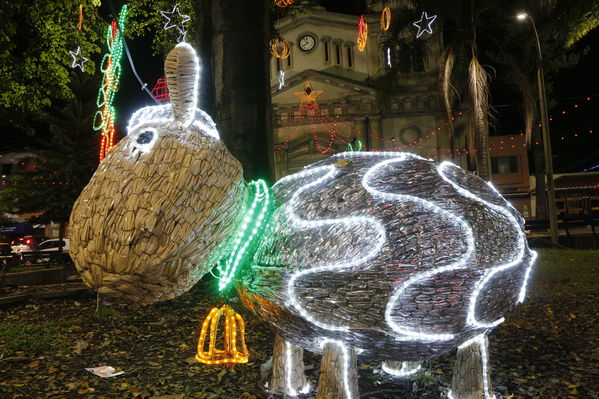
column 23, row 244
column 46, row 251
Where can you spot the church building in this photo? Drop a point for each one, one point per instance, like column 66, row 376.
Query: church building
column 323, row 93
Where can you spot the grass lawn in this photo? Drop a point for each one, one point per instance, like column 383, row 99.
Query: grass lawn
column 547, row 348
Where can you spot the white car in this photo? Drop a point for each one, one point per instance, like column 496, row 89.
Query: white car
column 52, row 245
column 46, row 250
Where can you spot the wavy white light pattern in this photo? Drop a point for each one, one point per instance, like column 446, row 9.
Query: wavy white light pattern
column 408, row 334
column 471, row 318
column 150, row 116
column 345, row 367
column 522, row 295
column 378, row 244
column 330, row 172
column 402, row 372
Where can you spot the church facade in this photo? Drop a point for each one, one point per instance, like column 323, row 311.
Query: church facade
column 324, row 100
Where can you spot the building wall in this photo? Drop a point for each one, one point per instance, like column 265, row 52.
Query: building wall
column 514, row 183
column 404, row 123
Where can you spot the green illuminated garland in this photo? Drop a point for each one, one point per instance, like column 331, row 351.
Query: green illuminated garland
column 248, row 233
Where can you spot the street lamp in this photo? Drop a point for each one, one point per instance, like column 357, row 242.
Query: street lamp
column 546, row 136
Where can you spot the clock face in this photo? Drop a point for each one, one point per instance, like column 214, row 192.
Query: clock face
column 307, row 42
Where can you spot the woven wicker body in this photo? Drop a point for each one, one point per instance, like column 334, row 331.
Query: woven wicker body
column 163, row 200
column 390, row 253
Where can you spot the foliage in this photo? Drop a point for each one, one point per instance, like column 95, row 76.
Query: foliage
column 478, row 33
column 33, row 337
column 66, row 150
column 145, row 19
column 34, row 53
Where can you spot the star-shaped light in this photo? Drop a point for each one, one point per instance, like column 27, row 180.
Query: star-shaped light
column 281, row 79
column 175, row 19
column 78, row 59
column 308, row 96
column 424, row 20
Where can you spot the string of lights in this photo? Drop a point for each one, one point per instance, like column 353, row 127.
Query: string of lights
column 309, row 114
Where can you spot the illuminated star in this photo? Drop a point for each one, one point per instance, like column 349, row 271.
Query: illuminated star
column 281, row 79
column 424, row 20
column 78, row 59
column 308, row 96
column 175, row 19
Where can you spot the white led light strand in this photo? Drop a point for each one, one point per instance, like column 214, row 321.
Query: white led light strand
column 424, row 24
column 281, row 79
column 409, row 334
column 291, row 391
column 160, row 115
column 522, row 295
column 345, row 366
column 471, row 318
column 183, row 19
column 480, row 340
column 404, row 371
column 389, row 56
column 379, row 241
column 196, row 80
column 76, row 56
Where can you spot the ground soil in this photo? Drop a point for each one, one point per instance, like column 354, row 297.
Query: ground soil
column 547, row 348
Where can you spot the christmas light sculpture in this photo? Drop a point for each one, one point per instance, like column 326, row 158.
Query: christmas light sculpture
column 281, row 79
column 385, row 19
column 160, row 91
column 111, row 67
column 134, row 234
column 234, row 349
column 174, row 19
column 381, row 255
column 284, row 3
column 279, row 48
column 424, row 24
column 78, row 59
column 362, row 33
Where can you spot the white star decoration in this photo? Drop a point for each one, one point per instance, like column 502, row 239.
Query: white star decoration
column 424, row 20
column 179, row 21
column 76, row 56
column 281, row 79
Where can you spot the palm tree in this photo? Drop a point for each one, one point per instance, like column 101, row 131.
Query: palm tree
column 471, row 29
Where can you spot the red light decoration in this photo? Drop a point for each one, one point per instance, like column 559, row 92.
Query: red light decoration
column 284, row 3
column 362, row 33
column 160, row 90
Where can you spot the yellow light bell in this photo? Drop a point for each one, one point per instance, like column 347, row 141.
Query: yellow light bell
column 234, row 332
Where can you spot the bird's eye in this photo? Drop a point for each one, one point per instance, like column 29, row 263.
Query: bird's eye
column 145, row 137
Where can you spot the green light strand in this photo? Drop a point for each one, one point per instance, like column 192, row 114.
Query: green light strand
column 248, row 233
column 111, row 67
column 358, row 147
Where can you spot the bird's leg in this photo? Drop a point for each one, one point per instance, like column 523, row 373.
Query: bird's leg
column 338, row 372
column 288, row 369
column 471, row 375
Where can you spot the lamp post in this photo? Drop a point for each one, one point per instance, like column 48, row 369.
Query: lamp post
column 546, row 136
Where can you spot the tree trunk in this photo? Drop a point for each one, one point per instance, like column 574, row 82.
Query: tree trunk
column 539, row 169
column 471, row 375
column 235, row 61
column 338, row 372
column 288, row 376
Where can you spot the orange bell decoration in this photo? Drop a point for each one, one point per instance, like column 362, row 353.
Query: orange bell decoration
column 234, row 338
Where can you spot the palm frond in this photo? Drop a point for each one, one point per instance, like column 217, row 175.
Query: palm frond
column 478, row 127
column 447, row 91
